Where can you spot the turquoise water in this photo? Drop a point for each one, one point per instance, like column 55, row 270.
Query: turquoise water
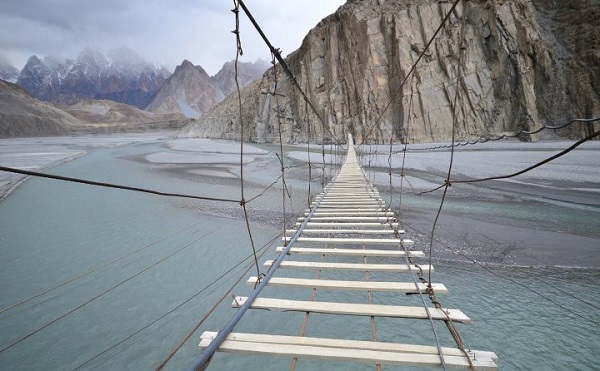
column 145, row 260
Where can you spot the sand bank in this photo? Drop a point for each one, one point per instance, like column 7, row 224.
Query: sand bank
column 549, row 216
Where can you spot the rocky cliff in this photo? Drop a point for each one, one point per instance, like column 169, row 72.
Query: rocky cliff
column 524, row 64
column 191, row 91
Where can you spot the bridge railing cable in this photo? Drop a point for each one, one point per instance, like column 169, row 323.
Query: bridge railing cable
column 589, row 121
column 276, row 52
column 111, row 185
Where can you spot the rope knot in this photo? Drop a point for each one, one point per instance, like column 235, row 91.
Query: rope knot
column 242, row 202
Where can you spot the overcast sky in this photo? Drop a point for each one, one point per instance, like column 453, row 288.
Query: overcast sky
column 163, row 31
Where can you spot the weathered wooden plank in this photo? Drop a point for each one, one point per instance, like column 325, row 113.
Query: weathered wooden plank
column 208, row 336
column 343, row 241
column 404, row 287
column 350, row 218
column 350, row 252
column 344, row 231
column 334, row 212
column 352, row 309
column 362, row 267
column 350, row 355
column 349, row 224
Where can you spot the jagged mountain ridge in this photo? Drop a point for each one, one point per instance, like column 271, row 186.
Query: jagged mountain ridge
column 191, row 91
column 120, row 75
column 526, row 64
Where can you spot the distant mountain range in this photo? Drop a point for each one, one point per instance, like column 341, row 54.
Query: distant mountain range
column 123, row 76
column 113, row 91
column 120, row 75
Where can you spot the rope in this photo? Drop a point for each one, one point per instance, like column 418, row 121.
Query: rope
column 277, row 54
column 536, row 165
column 508, row 279
column 551, row 158
column 410, row 263
column 279, row 113
column 238, row 53
column 110, row 185
column 503, row 136
column 222, row 335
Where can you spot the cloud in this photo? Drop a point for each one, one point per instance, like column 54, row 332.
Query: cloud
column 163, row 31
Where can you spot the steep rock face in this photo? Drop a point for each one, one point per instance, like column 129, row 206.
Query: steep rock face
column 523, row 67
column 120, row 75
column 189, row 91
column 224, row 80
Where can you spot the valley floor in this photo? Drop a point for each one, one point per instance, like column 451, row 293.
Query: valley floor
column 547, row 217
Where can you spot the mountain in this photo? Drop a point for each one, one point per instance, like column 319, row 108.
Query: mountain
column 191, row 91
column 21, row 115
column 526, row 64
column 224, row 80
column 120, row 75
column 110, row 116
column 7, row 71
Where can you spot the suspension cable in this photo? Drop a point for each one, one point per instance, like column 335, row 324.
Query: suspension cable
column 277, row 54
column 238, row 53
column 110, row 185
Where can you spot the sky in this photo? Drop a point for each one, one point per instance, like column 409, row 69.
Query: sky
column 164, row 32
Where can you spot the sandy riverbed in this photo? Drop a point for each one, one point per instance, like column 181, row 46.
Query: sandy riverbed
column 549, row 216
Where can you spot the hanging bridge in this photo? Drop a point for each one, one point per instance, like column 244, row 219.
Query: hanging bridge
column 350, row 222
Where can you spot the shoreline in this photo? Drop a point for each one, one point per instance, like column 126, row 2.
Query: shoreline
column 488, row 239
column 37, row 148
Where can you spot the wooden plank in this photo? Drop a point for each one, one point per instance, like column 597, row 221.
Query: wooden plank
column 372, row 206
column 344, row 231
column 362, row 267
column 351, row 195
column 391, row 358
column 350, row 252
column 330, row 212
column 344, row 241
column 349, row 224
column 350, row 218
column 350, row 202
column 352, row 309
column 404, row 287
column 209, row 336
